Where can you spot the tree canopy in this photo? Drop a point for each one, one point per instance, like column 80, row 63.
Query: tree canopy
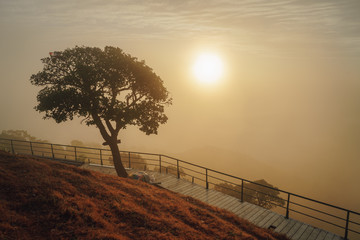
column 22, row 135
column 107, row 88
column 254, row 193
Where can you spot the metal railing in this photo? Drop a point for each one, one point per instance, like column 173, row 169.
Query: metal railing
column 335, row 219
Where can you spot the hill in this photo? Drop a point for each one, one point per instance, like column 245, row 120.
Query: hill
column 43, row 199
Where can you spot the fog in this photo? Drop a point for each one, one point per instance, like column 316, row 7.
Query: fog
column 286, row 110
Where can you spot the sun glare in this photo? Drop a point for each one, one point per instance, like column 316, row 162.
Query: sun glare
column 208, row 68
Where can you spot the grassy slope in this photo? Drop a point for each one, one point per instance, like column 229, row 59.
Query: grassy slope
column 42, row 199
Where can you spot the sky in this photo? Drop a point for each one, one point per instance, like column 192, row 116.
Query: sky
column 289, row 96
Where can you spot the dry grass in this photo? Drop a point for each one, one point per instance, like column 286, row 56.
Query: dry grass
column 42, row 199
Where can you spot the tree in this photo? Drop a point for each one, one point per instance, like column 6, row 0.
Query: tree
column 19, row 135
column 254, row 193
column 107, row 88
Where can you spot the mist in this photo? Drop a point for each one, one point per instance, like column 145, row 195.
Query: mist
column 287, row 109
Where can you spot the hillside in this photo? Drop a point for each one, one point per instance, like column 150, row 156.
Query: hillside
column 43, row 199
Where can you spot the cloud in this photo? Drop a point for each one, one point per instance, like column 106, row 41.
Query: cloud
column 245, row 22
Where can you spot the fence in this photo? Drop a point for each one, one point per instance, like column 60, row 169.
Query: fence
column 335, row 219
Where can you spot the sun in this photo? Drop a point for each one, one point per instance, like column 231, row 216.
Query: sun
column 208, row 68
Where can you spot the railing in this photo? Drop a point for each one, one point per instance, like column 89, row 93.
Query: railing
column 336, row 219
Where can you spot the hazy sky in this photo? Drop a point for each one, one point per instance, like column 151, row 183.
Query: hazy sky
column 289, row 97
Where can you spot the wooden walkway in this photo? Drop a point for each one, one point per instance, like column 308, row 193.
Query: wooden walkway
column 259, row 216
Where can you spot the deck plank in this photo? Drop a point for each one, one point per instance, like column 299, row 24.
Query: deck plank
column 222, row 201
column 211, row 195
column 207, row 196
column 169, row 182
column 196, row 192
column 299, row 232
column 251, row 214
column 245, row 210
column 314, row 234
column 306, row 235
column 172, row 185
column 250, row 209
column 164, row 179
column 216, row 198
column 286, row 227
column 270, row 222
column 294, row 229
column 337, row 237
column 259, row 215
column 263, row 218
column 180, row 186
column 321, row 235
column 243, row 206
column 329, row 236
column 231, row 203
column 189, row 189
column 279, row 221
column 236, row 207
column 202, row 195
column 234, row 199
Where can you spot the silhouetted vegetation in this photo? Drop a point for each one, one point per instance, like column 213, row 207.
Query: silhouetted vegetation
column 254, row 193
column 107, row 88
column 19, row 135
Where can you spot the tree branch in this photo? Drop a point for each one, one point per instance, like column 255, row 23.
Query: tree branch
column 110, row 127
column 135, row 100
column 101, row 126
column 124, row 89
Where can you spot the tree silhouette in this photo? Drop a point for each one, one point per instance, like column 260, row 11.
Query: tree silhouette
column 19, row 135
column 107, row 88
column 255, row 193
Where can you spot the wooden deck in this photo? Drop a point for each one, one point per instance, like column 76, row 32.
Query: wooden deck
column 259, row 216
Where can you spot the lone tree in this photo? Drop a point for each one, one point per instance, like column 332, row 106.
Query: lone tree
column 107, row 88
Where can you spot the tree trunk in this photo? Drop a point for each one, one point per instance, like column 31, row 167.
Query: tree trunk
column 120, row 170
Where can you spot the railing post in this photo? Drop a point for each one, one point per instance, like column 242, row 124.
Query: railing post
column 242, row 190
column 160, row 162
column 75, row 153
column 129, row 161
column 207, row 182
column 31, row 149
column 52, row 151
column 287, row 206
column 12, row 146
column 347, row 225
column 101, row 160
column 178, row 172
